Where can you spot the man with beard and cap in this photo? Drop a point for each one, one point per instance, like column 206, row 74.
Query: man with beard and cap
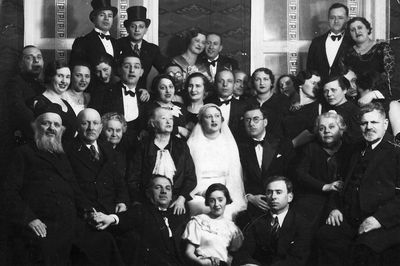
column 137, row 25
column 42, row 200
column 21, row 89
column 213, row 59
column 99, row 40
column 363, row 223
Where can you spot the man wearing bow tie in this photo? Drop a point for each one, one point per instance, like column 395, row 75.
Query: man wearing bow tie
column 280, row 236
column 99, row 40
column 262, row 155
column 126, row 97
column 325, row 50
column 214, row 59
column 232, row 109
column 159, row 229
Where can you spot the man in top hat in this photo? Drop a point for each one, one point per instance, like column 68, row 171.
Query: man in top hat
column 98, row 41
column 136, row 25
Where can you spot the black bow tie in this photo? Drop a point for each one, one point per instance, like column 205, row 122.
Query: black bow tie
column 212, row 63
column 103, row 36
column 336, row 37
column 256, row 142
column 224, row 102
column 129, row 92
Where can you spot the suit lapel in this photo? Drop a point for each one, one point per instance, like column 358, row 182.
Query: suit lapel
column 270, row 147
column 82, row 153
column 285, row 234
column 252, row 159
column 58, row 163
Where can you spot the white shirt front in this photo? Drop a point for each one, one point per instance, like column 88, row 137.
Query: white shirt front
column 106, row 43
column 259, row 151
column 226, row 109
column 332, row 47
column 139, row 44
column 213, row 69
column 95, row 146
column 131, row 108
column 281, row 217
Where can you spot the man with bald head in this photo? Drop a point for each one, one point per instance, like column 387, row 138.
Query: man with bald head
column 94, row 165
column 23, row 87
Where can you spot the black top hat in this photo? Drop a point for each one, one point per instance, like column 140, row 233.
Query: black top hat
column 99, row 5
column 136, row 13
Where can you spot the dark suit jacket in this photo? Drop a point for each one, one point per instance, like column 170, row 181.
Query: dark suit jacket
column 223, row 62
column 100, row 181
column 42, row 186
column 379, row 194
column 293, row 245
column 21, row 89
column 150, row 55
column 235, row 117
column 89, row 47
column 155, row 248
column 277, row 156
column 142, row 165
column 318, row 61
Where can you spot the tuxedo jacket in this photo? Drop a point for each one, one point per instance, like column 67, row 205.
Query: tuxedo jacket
column 318, row 61
column 277, row 156
column 156, row 248
column 143, row 162
column 235, row 116
column 100, row 181
column 150, row 55
column 293, row 245
column 223, row 62
column 89, row 47
column 379, row 193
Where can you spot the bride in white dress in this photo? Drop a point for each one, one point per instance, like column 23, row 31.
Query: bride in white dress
column 216, row 158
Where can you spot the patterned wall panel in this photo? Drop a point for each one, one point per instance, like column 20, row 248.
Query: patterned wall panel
column 230, row 18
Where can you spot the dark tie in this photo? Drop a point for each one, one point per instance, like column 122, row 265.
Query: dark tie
column 256, row 142
column 336, row 37
column 129, row 92
column 274, row 232
column 136, row 49
column 104, row 36
column 94, row 153
column 224, row 102
column 212, row 63
column 368, row 149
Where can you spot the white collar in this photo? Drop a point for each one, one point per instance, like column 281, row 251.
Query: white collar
column 100, row 31
column 334, row 34
column 281, row 216
column 223, row 100
column 138, row 43
column 215, row 59
column 373, row 146
column 263, row 137
column 94, row 144
column 127, row 88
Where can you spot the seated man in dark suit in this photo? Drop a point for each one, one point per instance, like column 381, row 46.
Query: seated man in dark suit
column 232, row 109
column 137, row 25
column 22, row 88
column 262, row 155
column 99, row 40
column 160, row 230
column 94, row 164
column 280, row 236
column 214, row 59
column 42, row 200
column 364, row 221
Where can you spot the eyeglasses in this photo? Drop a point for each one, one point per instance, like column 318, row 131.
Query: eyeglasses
column 176, row 75
column 255, row 119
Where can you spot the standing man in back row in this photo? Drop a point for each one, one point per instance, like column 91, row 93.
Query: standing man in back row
column 137, row 25
column 325, row 50
column 99, row 40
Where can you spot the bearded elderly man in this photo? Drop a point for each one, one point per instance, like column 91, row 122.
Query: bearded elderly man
column 42, row 200
column 363, row 224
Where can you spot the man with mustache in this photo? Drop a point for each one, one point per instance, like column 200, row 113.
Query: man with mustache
column 43, row 200
column 94, row 165
column 21, row 89
column 363, row 221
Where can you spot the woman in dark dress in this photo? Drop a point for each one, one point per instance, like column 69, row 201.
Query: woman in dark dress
column 57, row 79
column 299, row 123
column 197, row 86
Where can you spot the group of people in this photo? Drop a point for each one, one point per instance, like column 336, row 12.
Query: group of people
column 209, row 165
